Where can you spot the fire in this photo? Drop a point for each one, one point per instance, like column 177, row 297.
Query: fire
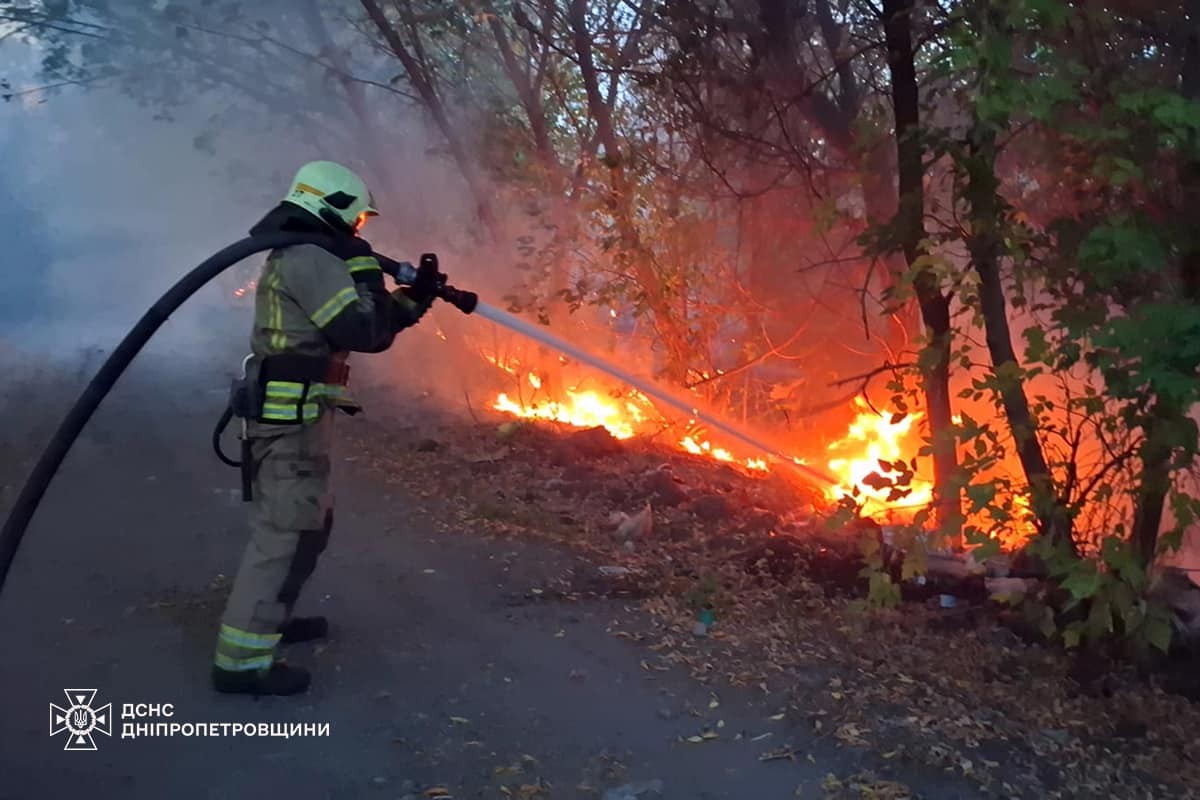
column 623, row 418
column 855, row 457
column 242, row 291
column 705, row 448
column 582, row 409
column 871, row 439
column 873, row 445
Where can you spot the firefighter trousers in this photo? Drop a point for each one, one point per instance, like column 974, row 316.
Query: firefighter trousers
column 291, row 517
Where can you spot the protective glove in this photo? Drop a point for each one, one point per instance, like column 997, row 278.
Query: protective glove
column 409, row 308
column 425, row 286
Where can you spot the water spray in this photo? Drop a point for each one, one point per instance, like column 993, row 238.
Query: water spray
column 540, row 334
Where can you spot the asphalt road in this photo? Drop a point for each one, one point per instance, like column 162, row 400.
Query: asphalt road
column 435, row 675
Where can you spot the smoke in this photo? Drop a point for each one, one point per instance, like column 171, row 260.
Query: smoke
column 107, row 200
column 104, row 205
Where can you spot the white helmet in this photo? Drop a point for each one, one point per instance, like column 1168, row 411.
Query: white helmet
column 334, row 193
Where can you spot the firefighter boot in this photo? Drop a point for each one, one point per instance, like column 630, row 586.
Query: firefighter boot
column 280, row 679
column 303, row 629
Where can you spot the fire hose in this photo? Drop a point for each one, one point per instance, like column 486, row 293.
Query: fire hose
column 119, row 360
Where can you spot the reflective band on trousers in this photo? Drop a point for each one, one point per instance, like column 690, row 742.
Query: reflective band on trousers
column 242, row 651
column 243, row 664
column 255, row 641
column 281, row 400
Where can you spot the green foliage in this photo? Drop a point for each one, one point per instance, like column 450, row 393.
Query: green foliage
column 882, row 590
column 1105, row 597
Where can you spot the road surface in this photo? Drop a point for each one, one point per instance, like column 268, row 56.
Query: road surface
column 435, row 675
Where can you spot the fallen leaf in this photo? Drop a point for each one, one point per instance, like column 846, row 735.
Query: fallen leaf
column 637, row 526
column 778, row 754
column 850, row 734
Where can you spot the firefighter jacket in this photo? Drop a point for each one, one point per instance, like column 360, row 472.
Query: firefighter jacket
column 312, row 308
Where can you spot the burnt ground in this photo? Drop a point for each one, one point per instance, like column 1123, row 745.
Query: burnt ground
column 494, row 637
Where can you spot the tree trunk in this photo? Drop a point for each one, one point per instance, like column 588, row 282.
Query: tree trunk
column 554, row 179
column 672, row 332
column 1155, row 481
column 934, row 305
column 985, row 246
column 432, row 101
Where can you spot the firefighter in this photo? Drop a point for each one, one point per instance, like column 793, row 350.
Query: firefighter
column 312, row 308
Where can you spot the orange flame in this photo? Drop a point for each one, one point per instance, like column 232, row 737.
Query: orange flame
column 581, row 409
column 870, row 447
column 589, row 409
column 855, row 457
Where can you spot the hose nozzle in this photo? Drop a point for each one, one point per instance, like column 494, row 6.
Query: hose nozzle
column 405, row 273
column 461, row 299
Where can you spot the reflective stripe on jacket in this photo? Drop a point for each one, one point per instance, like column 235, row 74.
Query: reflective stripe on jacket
column 311, row 303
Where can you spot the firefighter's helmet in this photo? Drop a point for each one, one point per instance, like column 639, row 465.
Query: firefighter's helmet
column 334, row 193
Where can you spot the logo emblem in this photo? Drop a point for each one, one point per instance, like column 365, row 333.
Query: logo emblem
column 79, row 719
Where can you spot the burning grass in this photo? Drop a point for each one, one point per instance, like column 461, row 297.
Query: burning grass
column 873, row 440
column 873, row 463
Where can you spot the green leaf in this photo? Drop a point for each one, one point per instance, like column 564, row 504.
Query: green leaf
column 1073, row 634
column 985, row 549
column 916, row 562
column 1170, row 541
column 1123, row 600
column 1157, row 631
column 1037, row 349
column 1083, row 584
column 1047, row 625
column 1099, row 620
column 981, row 495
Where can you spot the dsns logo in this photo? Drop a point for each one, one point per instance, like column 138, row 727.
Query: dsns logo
column 79, row 719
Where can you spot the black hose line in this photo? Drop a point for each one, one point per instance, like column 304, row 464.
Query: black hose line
column 52, row 458
column 222, row 424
